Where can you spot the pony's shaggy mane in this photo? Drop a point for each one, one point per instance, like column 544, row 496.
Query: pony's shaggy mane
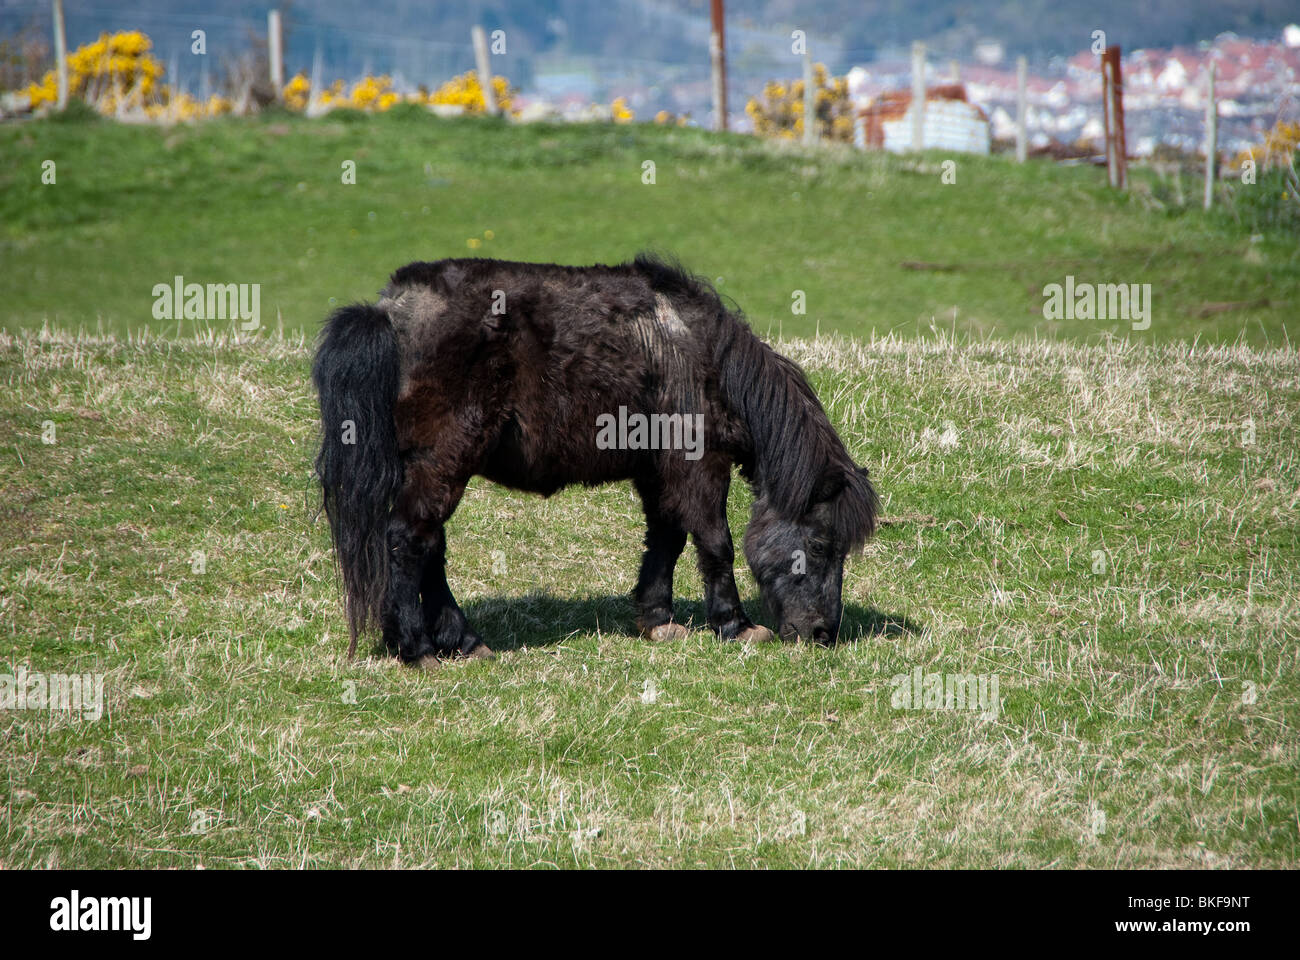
column 799, row 460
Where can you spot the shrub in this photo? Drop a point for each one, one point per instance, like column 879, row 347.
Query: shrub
column 779, row 112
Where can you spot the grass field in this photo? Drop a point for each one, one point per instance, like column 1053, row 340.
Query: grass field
column 876, row 243
column 1110, row 531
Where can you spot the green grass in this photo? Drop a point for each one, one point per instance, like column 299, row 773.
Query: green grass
column 261, row 201
column 1107, row 525
column 1159, row 694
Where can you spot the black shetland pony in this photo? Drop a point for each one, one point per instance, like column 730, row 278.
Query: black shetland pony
column 537, row 376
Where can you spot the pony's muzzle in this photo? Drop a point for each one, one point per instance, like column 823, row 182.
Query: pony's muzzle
column 810, row 631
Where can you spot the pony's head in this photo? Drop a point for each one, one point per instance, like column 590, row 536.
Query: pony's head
column 799, row 561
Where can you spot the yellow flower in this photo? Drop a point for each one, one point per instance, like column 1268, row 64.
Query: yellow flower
column 132, row 43
column 466, row 92
column 619, row 111
column 297, row 92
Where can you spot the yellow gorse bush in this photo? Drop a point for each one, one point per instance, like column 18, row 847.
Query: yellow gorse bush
column 376, row 93
column 779, row 111
column 373, row 93
column 115, row 68
column 1278, row 149
column 664, row 118
column 217, row 105
column 296, row 92
column 466, row 91
column 620, row 112
column 118, row 70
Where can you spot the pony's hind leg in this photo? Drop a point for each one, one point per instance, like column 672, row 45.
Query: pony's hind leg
column 664, row 541
column 444, row 621
column 423, row 620
column 403, row 626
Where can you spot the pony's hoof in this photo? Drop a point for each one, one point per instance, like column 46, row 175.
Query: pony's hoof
column 666, row 632
column 481, row 652
column 755, row 634
column 427, row 662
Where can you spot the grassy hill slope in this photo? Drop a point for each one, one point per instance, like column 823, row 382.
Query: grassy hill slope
column 876, row 243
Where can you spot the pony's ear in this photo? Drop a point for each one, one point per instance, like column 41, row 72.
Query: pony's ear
column 833, row 483
column 859, row 507
column 828, row 486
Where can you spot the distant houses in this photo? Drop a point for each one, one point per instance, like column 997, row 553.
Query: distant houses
column 949, row 122
column 1164, row 97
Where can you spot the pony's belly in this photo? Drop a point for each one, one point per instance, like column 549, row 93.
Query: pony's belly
column 548, row 463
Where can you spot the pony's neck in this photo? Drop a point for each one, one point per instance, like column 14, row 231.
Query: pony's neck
column 791, row 443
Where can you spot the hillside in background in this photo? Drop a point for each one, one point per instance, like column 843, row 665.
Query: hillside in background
column 1038, row 28
column 413, row 37
column 877, row 243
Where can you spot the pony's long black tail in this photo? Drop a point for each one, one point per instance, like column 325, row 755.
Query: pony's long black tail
column 356, row 372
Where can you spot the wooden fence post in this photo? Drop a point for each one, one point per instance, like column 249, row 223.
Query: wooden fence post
column 61, row 53
column 484, row 66
column 1113, row 110
column 275, row 51
column 1022, row 107
column 918, row 95
column 1105, row 118
column 1121, row 137
column 1211, row 138
column 718, row 63
column 1107, row 85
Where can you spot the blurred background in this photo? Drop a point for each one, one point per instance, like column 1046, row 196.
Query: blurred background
column 854, row 205
column 654, row 54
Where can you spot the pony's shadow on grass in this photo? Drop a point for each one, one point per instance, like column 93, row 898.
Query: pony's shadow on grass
column 541, row 618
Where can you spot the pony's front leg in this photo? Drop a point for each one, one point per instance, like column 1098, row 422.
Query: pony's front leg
column 717, row 558
column 721, row 599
